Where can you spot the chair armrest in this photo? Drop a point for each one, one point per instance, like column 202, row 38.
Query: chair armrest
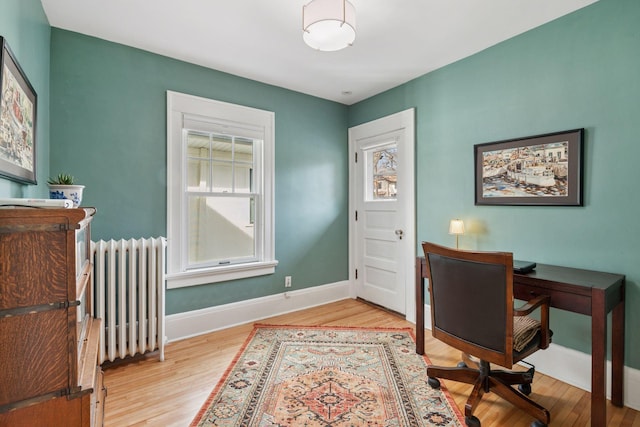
column 531, row 305
column 541, row 302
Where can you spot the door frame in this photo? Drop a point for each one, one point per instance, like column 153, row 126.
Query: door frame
column 401, row 120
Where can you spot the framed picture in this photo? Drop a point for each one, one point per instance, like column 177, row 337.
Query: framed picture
column 18, row 102
column 536, row 170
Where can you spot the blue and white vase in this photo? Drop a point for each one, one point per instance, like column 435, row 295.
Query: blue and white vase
column 69, row 192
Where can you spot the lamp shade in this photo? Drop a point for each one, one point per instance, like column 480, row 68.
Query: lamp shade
column 456, row 226
column 329, row 25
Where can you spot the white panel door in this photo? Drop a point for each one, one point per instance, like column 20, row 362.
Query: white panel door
column 382, row 198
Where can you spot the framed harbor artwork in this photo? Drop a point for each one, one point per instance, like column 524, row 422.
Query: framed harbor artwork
column 18, row 102
column 536, row 170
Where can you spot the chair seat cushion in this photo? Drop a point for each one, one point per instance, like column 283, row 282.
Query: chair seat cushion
column 525, row 329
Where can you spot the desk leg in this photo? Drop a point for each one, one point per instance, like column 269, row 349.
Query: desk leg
column 419, row 308
column 598, row 359
column 617, row 354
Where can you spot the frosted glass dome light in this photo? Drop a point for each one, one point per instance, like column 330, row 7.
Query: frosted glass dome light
column 329, row 25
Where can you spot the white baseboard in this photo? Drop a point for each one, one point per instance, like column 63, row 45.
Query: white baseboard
column 197, row 322
column 573, row 367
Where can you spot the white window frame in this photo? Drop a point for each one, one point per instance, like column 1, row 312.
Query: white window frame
column 182, row 108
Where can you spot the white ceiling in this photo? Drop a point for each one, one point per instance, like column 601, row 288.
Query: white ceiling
column 397, row 40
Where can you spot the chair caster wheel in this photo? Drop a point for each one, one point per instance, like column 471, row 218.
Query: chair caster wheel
column 538, row 423
column 434, row 382
column 472, row 421
column 525, row 389
column 461, row 365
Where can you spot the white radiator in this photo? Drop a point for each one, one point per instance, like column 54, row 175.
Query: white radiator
column 129, row 284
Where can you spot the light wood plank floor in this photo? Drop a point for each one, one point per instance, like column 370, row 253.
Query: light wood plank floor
column 170, row 393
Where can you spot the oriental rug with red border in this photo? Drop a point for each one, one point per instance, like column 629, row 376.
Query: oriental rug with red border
column 328, row 377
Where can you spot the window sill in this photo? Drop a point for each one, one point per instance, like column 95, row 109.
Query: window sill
column 220, row 274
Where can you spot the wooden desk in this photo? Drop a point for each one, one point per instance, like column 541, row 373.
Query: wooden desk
column 580, row 291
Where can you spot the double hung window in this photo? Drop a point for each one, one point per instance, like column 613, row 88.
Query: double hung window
column 220, row 191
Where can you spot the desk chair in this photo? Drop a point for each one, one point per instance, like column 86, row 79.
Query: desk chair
column 472, row 310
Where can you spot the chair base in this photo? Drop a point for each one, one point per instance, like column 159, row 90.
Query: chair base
column 486, row 380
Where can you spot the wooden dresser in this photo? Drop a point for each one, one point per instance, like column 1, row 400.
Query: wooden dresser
column 49, row 372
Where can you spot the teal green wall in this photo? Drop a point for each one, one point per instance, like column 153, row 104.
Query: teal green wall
column 108, row 127
column 582, row 70
column 25, row 27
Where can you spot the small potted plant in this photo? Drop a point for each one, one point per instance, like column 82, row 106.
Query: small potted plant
column 62, row 187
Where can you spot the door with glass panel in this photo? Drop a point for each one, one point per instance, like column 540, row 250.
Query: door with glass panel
column 382, row 237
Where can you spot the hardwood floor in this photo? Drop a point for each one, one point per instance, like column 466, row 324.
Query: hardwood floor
column 170, row 393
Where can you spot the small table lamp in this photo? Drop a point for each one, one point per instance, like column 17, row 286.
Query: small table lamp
column 456, row 226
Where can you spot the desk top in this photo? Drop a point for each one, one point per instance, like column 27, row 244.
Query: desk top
column 571, row 276
column 555, row 275
column 570, row 289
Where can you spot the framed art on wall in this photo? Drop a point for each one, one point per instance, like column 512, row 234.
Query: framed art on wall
column 18, row 102
column 535, row 170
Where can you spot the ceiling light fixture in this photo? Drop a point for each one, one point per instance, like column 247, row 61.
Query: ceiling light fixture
column 329, row 25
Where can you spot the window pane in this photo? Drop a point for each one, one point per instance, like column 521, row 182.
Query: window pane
column 222, row 167
column 197, row 144
column 385, row 173
column 220, row 229
column 243, row 162
column 244, row 150
column 198, row 172
column 222, row 177
column 221, row 147
column 243, row 175
column 197, row 175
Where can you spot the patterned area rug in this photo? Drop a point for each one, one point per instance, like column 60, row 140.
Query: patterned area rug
column 327, row 377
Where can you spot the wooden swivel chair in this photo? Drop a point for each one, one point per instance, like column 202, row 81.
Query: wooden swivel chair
column 472, row 310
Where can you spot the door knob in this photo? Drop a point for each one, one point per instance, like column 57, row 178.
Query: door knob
column 399, row 233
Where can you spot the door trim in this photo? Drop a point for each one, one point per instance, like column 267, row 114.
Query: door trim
column 402, row 120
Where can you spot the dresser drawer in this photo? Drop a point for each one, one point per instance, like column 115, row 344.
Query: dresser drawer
column 33, row 269
column 34, row 355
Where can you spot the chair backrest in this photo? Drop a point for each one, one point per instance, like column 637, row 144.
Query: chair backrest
column 471, row 297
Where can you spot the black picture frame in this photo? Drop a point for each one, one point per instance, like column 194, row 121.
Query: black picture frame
column 544, row 170
column 18, row 108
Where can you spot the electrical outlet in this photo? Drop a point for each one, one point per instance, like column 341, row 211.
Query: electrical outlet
column 287, row 282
